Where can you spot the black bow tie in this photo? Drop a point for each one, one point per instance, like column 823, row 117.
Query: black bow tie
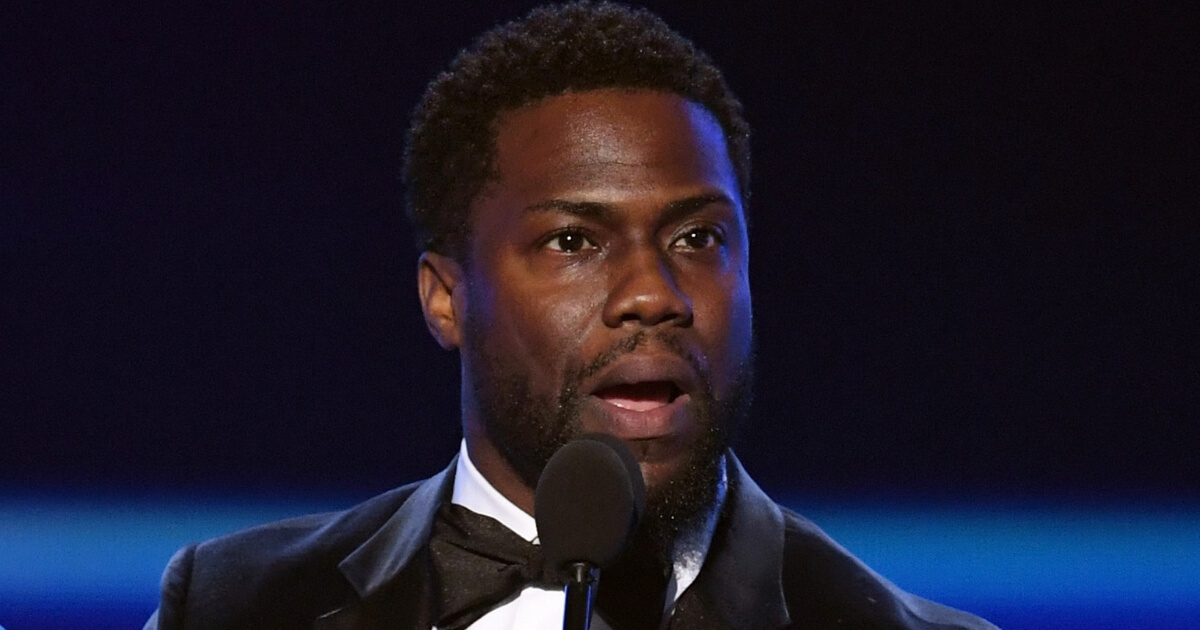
column 478, row 563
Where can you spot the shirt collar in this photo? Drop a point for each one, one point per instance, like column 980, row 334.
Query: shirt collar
column 474, row 492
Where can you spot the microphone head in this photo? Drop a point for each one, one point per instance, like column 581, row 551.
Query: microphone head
column 589, row 501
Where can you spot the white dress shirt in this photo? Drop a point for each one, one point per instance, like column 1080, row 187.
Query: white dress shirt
column 537, row 608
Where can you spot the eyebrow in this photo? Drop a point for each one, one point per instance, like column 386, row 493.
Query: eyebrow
column 585, row 209
column 596, row 210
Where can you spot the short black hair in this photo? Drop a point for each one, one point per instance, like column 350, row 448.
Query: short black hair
column 450, row 151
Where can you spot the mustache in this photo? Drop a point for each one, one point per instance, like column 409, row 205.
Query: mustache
column 671, row 342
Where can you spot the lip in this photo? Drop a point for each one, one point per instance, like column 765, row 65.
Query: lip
column 658, row 424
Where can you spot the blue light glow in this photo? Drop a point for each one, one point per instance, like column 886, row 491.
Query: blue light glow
column 1113, row 567
column 103, row 551
column 1041, row 556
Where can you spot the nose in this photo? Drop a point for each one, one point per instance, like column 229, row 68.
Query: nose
column 643, row 290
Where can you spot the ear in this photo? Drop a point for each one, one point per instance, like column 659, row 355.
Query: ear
column 437, row 278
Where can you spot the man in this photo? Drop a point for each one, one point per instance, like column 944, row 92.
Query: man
column 579, row 185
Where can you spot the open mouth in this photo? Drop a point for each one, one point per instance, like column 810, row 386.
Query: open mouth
column 643, row 396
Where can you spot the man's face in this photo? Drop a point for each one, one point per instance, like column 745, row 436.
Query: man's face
column 605, row 287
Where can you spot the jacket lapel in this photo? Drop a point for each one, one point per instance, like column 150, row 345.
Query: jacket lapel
column 741, row 584
column 389, row 572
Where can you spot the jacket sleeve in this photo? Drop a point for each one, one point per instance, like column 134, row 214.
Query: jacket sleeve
column 176, row 580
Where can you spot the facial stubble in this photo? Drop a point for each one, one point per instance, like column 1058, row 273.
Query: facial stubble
column 527, row 429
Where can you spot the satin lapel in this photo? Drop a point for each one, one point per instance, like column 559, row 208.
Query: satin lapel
column 405, row 603
column 390, row 571
column 741, row 583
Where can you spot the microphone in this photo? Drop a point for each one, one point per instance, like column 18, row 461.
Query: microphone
column 588, row 503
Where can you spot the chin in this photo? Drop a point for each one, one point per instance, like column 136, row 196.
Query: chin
column 659, row 474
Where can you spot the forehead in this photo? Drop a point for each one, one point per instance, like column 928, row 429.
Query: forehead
column 627, row 139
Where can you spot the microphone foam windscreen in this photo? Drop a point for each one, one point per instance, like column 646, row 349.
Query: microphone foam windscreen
column 589, row 501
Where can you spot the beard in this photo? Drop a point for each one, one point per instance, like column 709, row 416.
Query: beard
column 527, row 429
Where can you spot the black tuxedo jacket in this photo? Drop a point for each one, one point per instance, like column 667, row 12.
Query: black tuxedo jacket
column 367, row 568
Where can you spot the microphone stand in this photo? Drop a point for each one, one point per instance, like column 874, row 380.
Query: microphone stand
column 582, row 578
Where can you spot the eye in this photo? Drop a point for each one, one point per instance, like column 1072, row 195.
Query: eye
column 698, row 237
column 569, row 242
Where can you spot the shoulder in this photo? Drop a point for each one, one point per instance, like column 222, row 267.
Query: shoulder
column 826, row 586
column 305, row 536
column 271, row 572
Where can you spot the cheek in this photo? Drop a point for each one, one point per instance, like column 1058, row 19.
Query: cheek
column 741, row 332
column 561, row 320
column 727, row 323
column 540, row 324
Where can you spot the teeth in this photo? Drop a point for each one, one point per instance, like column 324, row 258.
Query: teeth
column 635, row 405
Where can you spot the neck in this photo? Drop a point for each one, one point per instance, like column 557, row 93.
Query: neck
column 492, row 465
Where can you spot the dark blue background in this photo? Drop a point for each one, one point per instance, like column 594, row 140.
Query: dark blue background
column 974, row 242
